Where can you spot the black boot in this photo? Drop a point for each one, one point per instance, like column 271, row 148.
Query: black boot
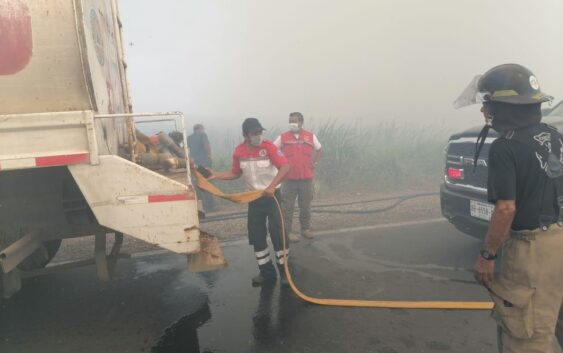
column 266, row 276
column 261, row 280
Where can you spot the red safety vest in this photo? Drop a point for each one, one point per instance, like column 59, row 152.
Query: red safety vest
column 299, row 153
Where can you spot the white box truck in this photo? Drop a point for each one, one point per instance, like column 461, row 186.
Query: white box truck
column 68, row 140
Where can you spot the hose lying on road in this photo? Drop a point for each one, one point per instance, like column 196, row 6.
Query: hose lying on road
column 314, row 208
column 251, row 196
column 405, row 197
column 376, row 210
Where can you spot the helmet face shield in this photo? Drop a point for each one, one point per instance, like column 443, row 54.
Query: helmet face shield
column 507, row 83
column 471, row 94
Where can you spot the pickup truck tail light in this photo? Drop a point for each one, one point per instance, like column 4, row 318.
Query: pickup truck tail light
column 455, row 173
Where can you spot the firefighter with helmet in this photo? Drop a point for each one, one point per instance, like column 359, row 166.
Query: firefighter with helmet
column 525, row 183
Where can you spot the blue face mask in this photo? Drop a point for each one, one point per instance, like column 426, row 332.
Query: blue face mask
column 255, row 140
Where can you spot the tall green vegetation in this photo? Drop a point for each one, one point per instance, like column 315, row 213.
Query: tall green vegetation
column 360, row 156
column 384, row 155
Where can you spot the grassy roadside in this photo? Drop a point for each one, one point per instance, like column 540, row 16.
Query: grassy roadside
column 359, row 156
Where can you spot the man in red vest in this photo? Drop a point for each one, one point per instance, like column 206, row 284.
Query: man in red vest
column 303, row 151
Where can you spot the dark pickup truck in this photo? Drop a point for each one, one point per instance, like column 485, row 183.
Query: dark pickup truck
column 463, row 195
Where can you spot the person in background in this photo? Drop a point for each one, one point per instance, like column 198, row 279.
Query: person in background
column 263, row 167
column 303, row 151
column 200, row 154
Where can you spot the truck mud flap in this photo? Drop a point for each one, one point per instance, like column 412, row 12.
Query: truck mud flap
column 140, row 203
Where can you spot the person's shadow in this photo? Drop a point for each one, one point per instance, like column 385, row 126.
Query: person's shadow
column 272, row 321
column 181, row 337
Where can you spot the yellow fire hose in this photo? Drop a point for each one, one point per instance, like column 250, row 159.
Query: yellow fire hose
column 246, row 197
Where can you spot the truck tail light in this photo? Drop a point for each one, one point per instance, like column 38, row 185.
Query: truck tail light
column 455, row 173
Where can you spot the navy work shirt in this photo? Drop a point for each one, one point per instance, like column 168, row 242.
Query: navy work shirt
column 198, row 145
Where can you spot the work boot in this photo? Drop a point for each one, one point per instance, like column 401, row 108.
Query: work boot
column 307, row 233
column 263, row 279
column 293, row 238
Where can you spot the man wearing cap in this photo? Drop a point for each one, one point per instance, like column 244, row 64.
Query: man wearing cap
column 263, row 167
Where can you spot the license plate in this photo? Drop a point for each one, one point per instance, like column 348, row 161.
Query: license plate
column 481, row 210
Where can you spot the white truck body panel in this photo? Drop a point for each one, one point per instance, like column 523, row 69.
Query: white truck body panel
column 76, row 64
column 52, row 79
column 24, row 137
column 61, row 69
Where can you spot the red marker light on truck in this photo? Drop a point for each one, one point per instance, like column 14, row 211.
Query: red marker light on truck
column 16, row 42
column 455, row 173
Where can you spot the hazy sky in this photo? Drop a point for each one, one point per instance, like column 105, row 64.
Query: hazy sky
column 406, row 60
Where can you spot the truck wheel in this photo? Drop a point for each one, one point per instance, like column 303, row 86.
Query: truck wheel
column 39, row 259
column 42, row 256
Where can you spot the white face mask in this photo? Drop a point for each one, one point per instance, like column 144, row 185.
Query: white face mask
column 489, row 120
column 255, row 140
column 294, row 127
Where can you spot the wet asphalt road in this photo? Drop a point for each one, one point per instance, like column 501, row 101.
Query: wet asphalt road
column 155, row 305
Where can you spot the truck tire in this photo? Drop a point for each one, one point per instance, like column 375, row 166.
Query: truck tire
column 42, row 256
column 39, row 259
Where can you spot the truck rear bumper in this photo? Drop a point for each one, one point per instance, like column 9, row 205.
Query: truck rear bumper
column 455, row 207
column 47, row 140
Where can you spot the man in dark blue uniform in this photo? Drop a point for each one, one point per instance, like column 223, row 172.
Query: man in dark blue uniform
column 200, row 154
